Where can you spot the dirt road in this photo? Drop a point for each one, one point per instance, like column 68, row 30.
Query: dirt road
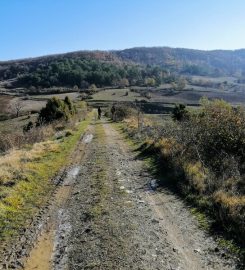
column 105, row 216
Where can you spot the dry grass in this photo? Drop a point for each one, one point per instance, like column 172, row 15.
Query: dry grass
column 26, row 176
column 18, row 139
column 167, row 146
column 229, row 201
column 196, row 175
column 4, row 103
column 131, row 122
column 13, row 164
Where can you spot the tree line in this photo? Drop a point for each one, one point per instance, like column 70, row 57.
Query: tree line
column 82, row 72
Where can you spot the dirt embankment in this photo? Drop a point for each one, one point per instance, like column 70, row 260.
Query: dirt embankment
column 107, row 216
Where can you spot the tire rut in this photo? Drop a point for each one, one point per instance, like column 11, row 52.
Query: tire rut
column 105, row 216
column 118, row 223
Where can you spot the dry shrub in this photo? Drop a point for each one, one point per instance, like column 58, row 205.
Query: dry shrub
column 12, row 140
column 131, row 122
column 38, row 134
column 196, row 175
column 123, row 111
column 231, row 211
column 6, row 142
column 205, row 155
column 168, row 146
column 19, row 139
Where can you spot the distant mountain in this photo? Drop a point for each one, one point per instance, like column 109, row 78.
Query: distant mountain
column 226, row 62
column 109, row 68
column 191, row 61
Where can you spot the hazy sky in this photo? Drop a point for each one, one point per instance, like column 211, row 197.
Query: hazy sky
column 38, row 27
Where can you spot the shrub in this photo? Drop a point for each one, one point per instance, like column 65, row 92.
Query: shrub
column 204, row 152
column 28, row 126
column 218, row 132
column 196, row 176
column 68, row 133
column 70, row 105
column 179, row 112
column 56, row 109
column 123, row 111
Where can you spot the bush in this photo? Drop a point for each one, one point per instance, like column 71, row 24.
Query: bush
column 71, row 106
column 212, row 158
column 68, row 133
column 203, row 154
column 218, row 133
column 179, row 112
column 56, row 109
column 28, row 127
column 123, row 111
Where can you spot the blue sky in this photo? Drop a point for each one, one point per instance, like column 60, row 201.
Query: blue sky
column 37, row 27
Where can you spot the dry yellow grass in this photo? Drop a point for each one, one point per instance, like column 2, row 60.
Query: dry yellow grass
column 131, row 122
column 196, row 175
column 229, row 201
column 167, row 146
column 13, row 163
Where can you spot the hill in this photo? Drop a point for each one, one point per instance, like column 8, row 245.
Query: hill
column 136, row 66
column 189, row 61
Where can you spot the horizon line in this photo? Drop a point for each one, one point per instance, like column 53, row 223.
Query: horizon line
column 112, row 50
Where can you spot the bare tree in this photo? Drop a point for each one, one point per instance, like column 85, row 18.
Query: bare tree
column 16, row 107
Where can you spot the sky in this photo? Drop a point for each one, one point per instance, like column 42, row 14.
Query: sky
column 30, row 28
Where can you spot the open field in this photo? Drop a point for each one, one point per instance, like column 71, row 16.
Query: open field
column 162, row 101
column 27, row 105
column 32, row 102
column 193, row 97
column 72, row 96
column 117, row 95
column 16, row 124
column 4, row 103
column 170, row 96
column 215, row 79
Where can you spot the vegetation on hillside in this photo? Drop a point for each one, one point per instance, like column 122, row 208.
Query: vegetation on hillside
column 136, row 66
column 203, row 155
column 188, row 61
column 81, row 73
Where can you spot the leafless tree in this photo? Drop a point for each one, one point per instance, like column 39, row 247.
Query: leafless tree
column 16, row 107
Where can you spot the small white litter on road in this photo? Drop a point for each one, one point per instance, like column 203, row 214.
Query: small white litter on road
column 88, row 138
column 71, row 176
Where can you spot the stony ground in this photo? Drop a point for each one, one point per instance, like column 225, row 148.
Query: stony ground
column 110, row 217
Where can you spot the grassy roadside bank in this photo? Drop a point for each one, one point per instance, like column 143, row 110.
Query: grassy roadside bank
column 201, row 206
column 34, row 167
